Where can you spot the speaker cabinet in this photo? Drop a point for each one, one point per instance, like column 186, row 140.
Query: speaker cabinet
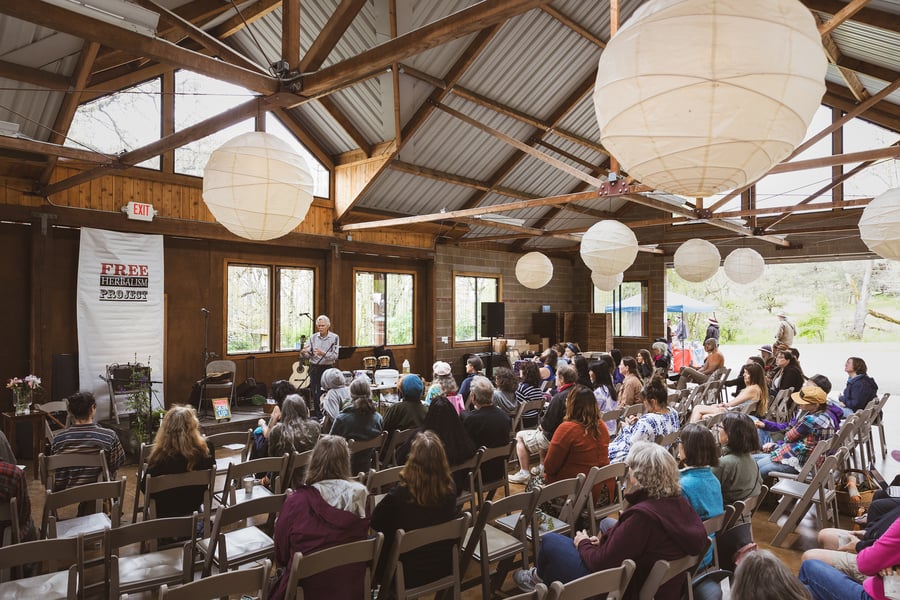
column 492, row 319
column 65, row 376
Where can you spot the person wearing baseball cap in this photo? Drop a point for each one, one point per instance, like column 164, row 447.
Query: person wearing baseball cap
column 789, row 455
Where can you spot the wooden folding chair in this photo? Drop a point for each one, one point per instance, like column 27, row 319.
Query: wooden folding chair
column 469, row 468
column 613, row 415
column 878, row 422
column 522, row 409
column 48, row 465
column 485, row 489
column 394, row 578
column 252, row 582
column 228, row 547
column 609, row 581
column 191, row 479
column 91, row 526
column 664, row 570
column 585, row 503
column 303, row 566
column 49, row 583
column 746, row 508
column 394, row 441
column 152, row 566
column 372, row 446
column 226, row 444
column 232, row 491
column 144, row 455
column 378, row 483
column 9, row 513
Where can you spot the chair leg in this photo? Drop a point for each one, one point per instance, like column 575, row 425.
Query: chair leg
column 781, row 508
column 793, row 520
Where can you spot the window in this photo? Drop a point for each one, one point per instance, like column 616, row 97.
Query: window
column 628, row 305
column 469, row 291
column 383, row 308
column 252, row 292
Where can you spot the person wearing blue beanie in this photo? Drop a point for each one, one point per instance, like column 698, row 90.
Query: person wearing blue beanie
column 410, row 412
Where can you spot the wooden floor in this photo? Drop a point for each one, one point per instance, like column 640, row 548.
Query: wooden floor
column 803, row 539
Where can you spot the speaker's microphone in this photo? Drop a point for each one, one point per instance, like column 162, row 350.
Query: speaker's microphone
column 204, row 310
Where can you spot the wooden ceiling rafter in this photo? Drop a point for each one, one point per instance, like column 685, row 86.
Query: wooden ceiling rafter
column 247, row 16
column 851, row 8
column 834, row 54
column 346, row 124
column 868, row 16
column 290, row 121
column 330, row 35
column 290, row 33
column 884, row 114
column 36, row 77
column 573, row 25
column 468, row 182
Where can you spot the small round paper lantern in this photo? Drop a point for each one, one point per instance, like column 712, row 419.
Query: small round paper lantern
column 744, row 265
column 697, row 260
column 257, row 186
column 879, row 225
column 534, row 270
column 608, row 247
column 696, row 97
column 606, row 283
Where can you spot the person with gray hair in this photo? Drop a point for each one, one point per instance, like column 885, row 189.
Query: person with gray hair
column 321, row 350
column 762, row 575
column 488, row 425
column 337, row 396
column 659, row 524
column 359, row 421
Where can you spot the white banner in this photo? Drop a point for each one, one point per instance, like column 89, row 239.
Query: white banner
column 120, row 310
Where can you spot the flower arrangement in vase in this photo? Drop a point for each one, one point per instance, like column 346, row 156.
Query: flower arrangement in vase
column 23, row 390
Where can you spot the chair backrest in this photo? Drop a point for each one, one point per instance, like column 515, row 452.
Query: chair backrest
column 56, row 406
column 48, row 465
column 296, row 469
column 52, row 552
column 715, row 525
column 251, row 581
column 396, row 439
column 161, row 483
column 143, row 456
column 276, row 465
column 226, row 516
column 664, row 570
column 538, row 593
column 113, row 492
column 228, row 442
column 500, row 453
column 609, row 581
column 9, row 513
column 521, row 410
column 635, row 409
column 586, row 501
column 220, row 366
column 406, row 541
column 469, row 468
column 511, row 513
column 669, row 440
column 376, row 444
column 364, row 551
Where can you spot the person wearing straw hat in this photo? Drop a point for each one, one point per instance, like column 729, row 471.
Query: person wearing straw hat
column 784, row 335
column 712, row 330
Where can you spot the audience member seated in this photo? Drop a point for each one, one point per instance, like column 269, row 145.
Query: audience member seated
column 529, row 389
column 474, row 366
column 281, row 389
column 662, row 360
column 773, row 431
column 547, row 366
column 581, row 367
column 604, row 392
column 714, row 360
column 487, row 425
column 6, row 451
column 580, row 442
column 359, row 421
column 788, row 373
column 441, row 373
column 630, row 392
column 644, row 364
column 658, row 419
column 789, row 455
column 569, row 353
column 83, row 436
column 861, row 389
column 443, row 421
column 337, row 396
column 531, row 441
column 699, row 454
column 295, row 430
column 425, row 497
column 754, row 392
column 178, row 448
column 409, row 413
column 616, row 355
column 14, row 484
column 763, row 576
column 738, row 473
column 328, row 510
column 659, row 523
column 768, row 355
column 876, row 562
column 506, row 384
column 738, row 382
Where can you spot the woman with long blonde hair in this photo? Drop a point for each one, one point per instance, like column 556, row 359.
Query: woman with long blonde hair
column 426, row 496
column 179, row 447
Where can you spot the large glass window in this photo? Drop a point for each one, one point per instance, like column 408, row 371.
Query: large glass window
column 469, row 291
column 252, row 294
column 384, row 308
column 628, row 305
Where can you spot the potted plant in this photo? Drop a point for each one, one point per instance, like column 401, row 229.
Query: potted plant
column 144, row 419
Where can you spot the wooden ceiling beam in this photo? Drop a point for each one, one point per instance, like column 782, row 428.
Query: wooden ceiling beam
column 573, row 25
column 290, row 33
column 839, row 159
column 54, row 17
column 884, row 113
column 833, row 53
column 346, row 124
column 247, row 16
column 330, row 35
column 433, row 174
column 868, row 69
column 288, row 119
column 867, row 16
column 54, row 150
column 850, row 9
column 755, row 212
column 459, row 24
column 36, row 77
column 123, row 81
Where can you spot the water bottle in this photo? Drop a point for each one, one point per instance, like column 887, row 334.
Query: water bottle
column 406, row 366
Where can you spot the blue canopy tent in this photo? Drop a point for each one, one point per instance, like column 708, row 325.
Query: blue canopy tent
column 675, row 302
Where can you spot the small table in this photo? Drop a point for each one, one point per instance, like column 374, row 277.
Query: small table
column 38, row 420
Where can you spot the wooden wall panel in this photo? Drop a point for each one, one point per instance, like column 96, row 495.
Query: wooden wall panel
column 15, row 316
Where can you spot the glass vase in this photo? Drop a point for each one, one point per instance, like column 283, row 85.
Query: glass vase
column 23, row 402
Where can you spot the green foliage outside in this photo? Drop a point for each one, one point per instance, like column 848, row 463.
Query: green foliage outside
column 815, row 324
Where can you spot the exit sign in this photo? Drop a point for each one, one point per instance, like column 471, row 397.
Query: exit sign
column 140, row 211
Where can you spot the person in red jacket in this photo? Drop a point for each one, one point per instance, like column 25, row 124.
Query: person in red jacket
column 659, row 523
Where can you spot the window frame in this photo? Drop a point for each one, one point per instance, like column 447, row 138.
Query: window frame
column 274, row 302
column 478, row 341
column 645, row 312
column 415, row 294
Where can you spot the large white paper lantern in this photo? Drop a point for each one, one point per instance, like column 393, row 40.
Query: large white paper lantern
column 697, row 260
column 696, row 97
column 257, row 186
column 608, row 247
column 744, row 265
column 879, row 225
column 534, row 270
column 606, row 283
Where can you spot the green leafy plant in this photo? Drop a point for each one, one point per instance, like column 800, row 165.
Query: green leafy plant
column 139, row 401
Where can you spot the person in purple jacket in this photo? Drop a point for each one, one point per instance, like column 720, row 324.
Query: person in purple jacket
column 659, row 523
column 835, row 412
column 329, row 509
column 861, row 389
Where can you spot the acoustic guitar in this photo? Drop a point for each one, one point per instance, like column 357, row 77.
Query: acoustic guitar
column 300, row 374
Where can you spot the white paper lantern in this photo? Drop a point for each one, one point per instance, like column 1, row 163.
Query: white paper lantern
column 534, row 270
column 608, row 247
column 744, row 265
column 697, row 260
column 257, row 186
column 879, row 225
column 606, row 283
column 696, row 97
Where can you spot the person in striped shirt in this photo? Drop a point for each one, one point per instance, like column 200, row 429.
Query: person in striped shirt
column 83, row 436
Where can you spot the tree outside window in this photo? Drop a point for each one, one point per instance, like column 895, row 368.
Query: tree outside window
column 384, row 308
column 469, row 291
